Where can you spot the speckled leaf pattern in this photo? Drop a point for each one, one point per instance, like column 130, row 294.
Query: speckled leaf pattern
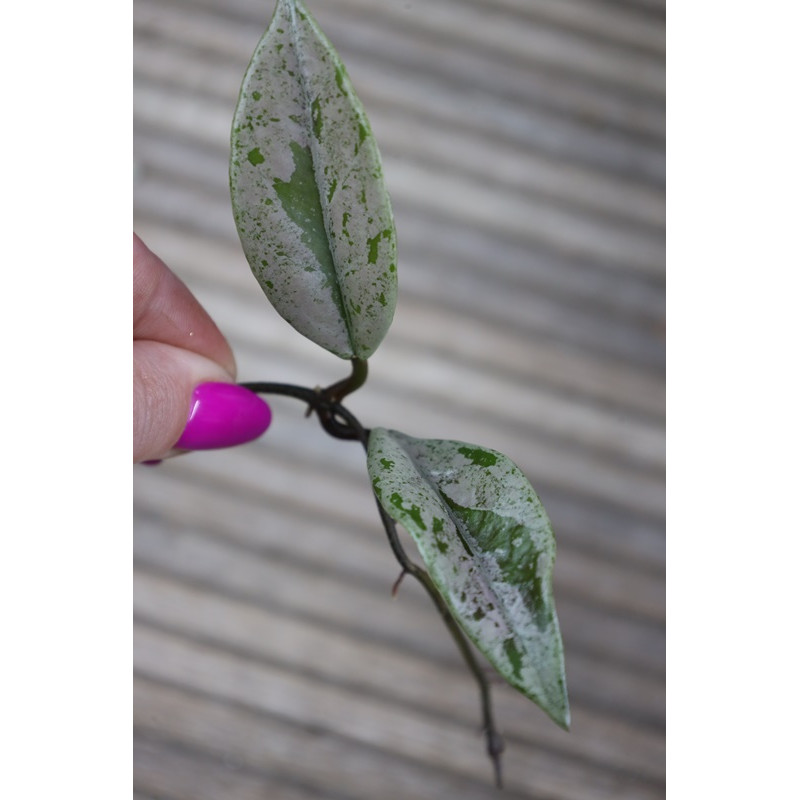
column 309, row 201
column 489, row 548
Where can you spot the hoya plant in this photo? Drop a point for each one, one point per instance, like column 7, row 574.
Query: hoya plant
column 316, row 226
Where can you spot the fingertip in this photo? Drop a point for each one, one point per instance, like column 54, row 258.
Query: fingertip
column 164, row 378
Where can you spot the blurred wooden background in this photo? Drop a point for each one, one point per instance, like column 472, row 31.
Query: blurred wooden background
column 523, row 145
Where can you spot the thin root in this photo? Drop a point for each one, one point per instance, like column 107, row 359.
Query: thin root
column 397, row 583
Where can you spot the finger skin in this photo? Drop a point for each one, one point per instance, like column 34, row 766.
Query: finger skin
column 176, row 346
column 164, row 310
column 163, row 380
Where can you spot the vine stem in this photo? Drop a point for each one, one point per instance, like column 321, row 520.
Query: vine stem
column 342, row 424
column 355, row 380
column 494, row 741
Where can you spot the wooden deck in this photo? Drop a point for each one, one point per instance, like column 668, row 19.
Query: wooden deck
column 523, row 144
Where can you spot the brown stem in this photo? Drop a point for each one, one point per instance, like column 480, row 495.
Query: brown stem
column 355, row 380
column 494, row 740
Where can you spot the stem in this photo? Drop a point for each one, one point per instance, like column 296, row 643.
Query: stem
column 338, row 391
column 494, row 741
column 342, row 424
column 330, row 412
column 311, row 396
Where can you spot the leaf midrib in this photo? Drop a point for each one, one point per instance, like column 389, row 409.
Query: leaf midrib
column 338, row 296
column 457, row 524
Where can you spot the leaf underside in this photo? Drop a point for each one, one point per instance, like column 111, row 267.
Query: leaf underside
column 488, row 545
column 307, row 190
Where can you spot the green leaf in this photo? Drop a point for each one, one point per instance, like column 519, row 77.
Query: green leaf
column 307, row 190
column 489, row 548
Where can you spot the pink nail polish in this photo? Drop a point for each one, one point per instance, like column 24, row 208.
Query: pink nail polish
column 223, row 415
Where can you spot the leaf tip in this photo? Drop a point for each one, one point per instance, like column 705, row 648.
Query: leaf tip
column 559, row 711
column 566, row 722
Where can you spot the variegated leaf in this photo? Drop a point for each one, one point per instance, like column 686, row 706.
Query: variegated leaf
column 489, row 548
column 307, row 189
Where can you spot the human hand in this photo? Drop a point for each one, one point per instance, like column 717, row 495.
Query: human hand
column 184, row 395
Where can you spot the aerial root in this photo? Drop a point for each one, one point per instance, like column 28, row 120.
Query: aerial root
column 396, row 585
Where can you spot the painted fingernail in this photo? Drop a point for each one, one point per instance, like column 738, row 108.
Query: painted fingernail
column 223, row 415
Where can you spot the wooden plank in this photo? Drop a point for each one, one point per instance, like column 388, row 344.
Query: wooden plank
column 351, row 542
column 404, row 678
column 198, row 169
column 430, row 55
column 503, row 213
column 266, row 753
column 421, row 133
column 483, row 29
column 515, row 168
column 604, row 20
column 613, row 648
column 636, row 544
column 423, row 319
column 171, row 771
column 453, row 285
column 369, row 721
column 581, row 469
column 253, row 741
column 549, row 303
column 383, row 90
column 550, row 467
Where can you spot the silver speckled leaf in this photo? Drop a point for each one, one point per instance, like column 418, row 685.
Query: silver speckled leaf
column 489, row 548
column 307, row 190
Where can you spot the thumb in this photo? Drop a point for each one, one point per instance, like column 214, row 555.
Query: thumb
column 173, row 387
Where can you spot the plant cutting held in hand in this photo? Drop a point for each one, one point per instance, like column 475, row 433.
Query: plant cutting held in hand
column 316, row 226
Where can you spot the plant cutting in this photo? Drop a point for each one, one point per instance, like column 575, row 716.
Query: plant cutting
column 316, row 226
